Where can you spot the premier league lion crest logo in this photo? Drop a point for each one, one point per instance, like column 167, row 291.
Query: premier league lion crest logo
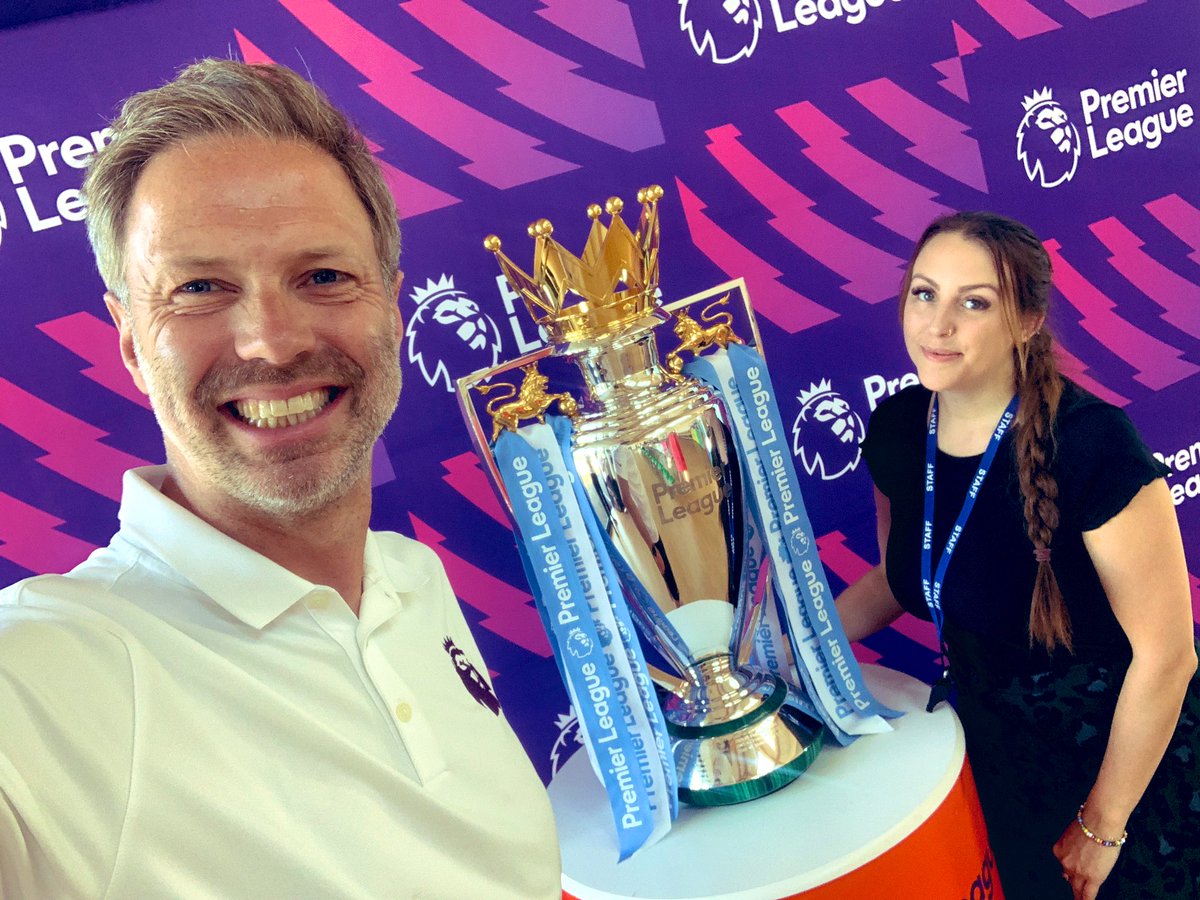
column 475, row 683
column 827, row 432
column 579, row 645
column 725, row 30
column 448, row 325
column 1047, row 143
column 570, row 739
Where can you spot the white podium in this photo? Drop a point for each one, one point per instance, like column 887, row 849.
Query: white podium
column 892, row 815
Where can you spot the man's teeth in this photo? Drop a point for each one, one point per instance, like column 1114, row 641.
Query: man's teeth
column 281, row 413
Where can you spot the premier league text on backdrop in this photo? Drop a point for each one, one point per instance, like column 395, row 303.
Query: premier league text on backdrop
column 1148, row 130
column 19, row 153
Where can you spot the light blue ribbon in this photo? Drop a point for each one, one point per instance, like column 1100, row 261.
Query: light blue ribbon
column 794, row 558
column 578, row 647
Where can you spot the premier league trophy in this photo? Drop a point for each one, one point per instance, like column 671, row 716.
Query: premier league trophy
column 653, row 453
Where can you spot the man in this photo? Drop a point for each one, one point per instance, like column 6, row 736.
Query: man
column 248, row 693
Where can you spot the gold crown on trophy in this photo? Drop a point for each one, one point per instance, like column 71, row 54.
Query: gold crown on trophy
column 613, row 257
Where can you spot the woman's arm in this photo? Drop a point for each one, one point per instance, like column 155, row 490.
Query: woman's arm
column 868, row 606
column 1138, row 555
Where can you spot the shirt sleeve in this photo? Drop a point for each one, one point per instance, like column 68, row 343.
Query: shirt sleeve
column 1102, row 464
column 66, row 724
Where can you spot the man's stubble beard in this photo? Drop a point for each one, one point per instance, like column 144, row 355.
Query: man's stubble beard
column 291, row 483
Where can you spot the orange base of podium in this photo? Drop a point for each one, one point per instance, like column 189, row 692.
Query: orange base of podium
column 947, row 856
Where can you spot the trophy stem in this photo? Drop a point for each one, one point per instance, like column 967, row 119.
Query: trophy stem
column 734, row 736
column 622, row 371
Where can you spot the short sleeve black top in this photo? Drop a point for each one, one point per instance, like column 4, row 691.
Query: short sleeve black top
column 1100, row 464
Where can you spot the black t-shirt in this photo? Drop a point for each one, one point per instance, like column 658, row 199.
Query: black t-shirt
column 1100, row 464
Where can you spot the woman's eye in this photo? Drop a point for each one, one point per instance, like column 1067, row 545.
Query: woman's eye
column 923, row 294
column 975, row 303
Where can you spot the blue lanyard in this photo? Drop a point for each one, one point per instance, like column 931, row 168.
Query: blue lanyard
column 932, row 587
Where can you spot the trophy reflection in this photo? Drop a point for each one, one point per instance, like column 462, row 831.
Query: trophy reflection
column 656, row 458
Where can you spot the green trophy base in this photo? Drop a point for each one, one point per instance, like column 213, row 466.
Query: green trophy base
column 746, row 755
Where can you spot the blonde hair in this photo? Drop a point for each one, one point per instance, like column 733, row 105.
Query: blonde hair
column 227, row 97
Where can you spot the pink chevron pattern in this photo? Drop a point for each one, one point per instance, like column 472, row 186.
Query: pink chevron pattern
column 849, row 566
column 938, row 140
column 1094, row 9
column 1020, row 18
column 964, row 42
column 1174, row 293
column 905, row 207
column 498, row 154
column 507, row 611
column 412, row 195
column 605, row 24
column 72, row 446
column 872, row 274
column 1076, row 369
column 466, row 476
column 1158, row 364
column 614, row 117
column 840, row 559
column 955, row 80
column 924, row 633
column 791, row 311
column 30, row 538
column 95, row 341
column 1181, row 219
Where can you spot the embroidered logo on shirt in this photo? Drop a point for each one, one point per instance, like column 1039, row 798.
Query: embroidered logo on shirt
column 471, row 679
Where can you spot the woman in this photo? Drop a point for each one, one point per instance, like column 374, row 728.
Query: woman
column 1064, row 600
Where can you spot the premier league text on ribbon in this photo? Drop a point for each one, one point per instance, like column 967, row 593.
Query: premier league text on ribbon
column 762, row 418
column 543, row 546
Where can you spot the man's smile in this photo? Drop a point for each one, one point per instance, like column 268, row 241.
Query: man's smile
column 283, row 413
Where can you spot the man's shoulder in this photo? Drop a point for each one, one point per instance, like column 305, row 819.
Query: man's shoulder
column 53, row 621
column 408, row 560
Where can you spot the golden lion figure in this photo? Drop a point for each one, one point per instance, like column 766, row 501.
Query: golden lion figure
column 531, row 403
column 697, row 338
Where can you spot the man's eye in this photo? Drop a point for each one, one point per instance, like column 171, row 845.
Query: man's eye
column 326, row 276
column 199, row 286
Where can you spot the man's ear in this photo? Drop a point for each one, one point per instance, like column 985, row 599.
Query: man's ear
column 123, row 319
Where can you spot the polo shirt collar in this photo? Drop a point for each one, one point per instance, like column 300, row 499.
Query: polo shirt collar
column 245, row 583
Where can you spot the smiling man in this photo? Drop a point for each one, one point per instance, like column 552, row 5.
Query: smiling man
column 248, row 693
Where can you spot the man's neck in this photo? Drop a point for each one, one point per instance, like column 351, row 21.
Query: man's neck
column 325, row 547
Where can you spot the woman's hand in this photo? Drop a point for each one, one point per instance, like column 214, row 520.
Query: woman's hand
column 1085, row 863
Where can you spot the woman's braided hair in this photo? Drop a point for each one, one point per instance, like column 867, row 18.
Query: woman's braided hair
column 1024, row 272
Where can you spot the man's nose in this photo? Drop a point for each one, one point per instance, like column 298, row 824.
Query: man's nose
column 273, row 326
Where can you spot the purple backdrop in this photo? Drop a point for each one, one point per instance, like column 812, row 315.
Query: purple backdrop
column 803, row 145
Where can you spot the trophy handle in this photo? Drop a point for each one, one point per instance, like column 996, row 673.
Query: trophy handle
column 696, row 338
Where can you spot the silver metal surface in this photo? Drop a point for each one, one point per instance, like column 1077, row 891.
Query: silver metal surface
column 658, row 463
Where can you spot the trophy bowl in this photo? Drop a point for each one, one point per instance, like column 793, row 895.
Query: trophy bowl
column 656, row 459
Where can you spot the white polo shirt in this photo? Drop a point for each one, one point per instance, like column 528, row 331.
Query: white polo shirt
column 182, row 718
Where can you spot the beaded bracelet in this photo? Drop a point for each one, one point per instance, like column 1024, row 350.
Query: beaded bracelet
column 1092, row 836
